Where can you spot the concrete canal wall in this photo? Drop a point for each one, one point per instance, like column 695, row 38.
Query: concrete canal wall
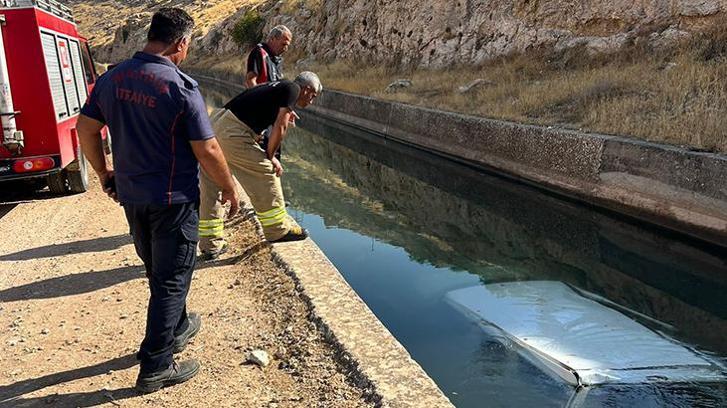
column 668, row 186
column 364, row 344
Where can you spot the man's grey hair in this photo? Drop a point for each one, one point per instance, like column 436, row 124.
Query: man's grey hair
column 307, row 78
column 278, row 31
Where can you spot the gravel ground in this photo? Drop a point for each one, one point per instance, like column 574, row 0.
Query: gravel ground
column 73, row 304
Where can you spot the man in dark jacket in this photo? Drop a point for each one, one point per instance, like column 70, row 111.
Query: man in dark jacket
column 265, row 61
column 161, row 133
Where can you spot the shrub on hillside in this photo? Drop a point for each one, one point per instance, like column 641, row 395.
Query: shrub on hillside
column 711, row 44
column 248, row 30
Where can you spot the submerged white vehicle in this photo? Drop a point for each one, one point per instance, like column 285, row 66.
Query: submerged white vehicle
column 581, row 338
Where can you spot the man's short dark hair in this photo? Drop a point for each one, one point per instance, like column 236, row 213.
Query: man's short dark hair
column 169, row 25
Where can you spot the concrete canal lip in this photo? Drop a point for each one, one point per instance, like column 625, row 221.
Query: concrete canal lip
column 376, row 358
column 379, row 358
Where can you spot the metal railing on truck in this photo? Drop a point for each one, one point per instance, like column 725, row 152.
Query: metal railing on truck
column 52, row 6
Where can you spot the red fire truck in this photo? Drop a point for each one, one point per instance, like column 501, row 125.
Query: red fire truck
column 46, row 74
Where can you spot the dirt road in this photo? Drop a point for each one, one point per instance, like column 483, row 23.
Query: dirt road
column 72, row 310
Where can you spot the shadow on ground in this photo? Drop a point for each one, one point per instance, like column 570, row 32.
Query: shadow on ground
column 86, row 282
column 75, row 247
column 16, row 192
column 10, row 394
column 20, row 191
column 70, row 285
column 5, row 208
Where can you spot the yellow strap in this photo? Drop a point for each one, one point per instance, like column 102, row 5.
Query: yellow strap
column 278, row 218
column 220, row 228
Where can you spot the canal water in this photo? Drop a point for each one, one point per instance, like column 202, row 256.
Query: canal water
column 406, row 228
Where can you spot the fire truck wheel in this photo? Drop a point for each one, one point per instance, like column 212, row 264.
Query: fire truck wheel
column 77, row 175
column 57, row 183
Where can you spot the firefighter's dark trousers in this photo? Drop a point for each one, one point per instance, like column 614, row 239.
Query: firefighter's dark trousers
column 165, row 237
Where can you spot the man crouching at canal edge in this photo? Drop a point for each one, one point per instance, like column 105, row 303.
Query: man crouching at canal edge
column 239, row 126
column 161, row 132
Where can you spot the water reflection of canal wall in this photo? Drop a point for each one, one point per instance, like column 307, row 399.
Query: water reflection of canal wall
column 665, row 185
column 447, row 215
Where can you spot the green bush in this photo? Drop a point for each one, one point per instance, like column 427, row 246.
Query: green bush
column 248, row 30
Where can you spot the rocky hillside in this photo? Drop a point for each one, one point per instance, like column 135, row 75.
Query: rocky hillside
column 436, row 32
column 117, row 28
column 433, row 33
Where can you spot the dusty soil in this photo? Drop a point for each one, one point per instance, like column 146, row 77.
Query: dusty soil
column 72, row 310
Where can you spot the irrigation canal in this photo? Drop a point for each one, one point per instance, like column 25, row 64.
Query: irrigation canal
column 407, row 229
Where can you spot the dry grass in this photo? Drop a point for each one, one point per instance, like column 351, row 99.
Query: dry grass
column 676, row 96
column 289, row 7
column 229, row 64
column 94, row 22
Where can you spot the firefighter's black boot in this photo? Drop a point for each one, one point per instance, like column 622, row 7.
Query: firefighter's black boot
column 177, row 373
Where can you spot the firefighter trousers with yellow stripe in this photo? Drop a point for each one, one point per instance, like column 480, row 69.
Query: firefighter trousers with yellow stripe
column 252, row 169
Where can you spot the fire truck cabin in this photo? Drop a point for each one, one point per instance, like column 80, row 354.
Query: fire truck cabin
column 46, row 74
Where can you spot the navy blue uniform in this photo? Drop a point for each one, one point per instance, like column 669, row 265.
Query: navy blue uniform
column 153, row 111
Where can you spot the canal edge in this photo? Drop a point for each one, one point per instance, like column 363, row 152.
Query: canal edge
column 364, row 344
column 376, row 361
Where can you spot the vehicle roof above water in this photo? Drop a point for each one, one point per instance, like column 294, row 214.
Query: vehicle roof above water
column 571, row 336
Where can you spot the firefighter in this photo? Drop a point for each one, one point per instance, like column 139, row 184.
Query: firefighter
column 264, row 64
column 161, row 132
column 265, row 61
column 238, row 127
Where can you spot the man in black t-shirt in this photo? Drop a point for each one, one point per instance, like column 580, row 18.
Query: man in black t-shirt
column 238, row 127
column 259, row 107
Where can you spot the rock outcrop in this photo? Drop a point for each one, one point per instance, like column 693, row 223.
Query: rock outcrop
column 434, row 33
column 128, row 38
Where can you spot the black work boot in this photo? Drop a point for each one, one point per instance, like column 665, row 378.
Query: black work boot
column 177, row 373
column 296, row 233
column 180, row 341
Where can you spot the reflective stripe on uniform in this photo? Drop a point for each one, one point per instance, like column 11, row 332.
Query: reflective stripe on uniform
column 272, row 217
column 213, row 228
column 211, row 223
column 210, row 234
